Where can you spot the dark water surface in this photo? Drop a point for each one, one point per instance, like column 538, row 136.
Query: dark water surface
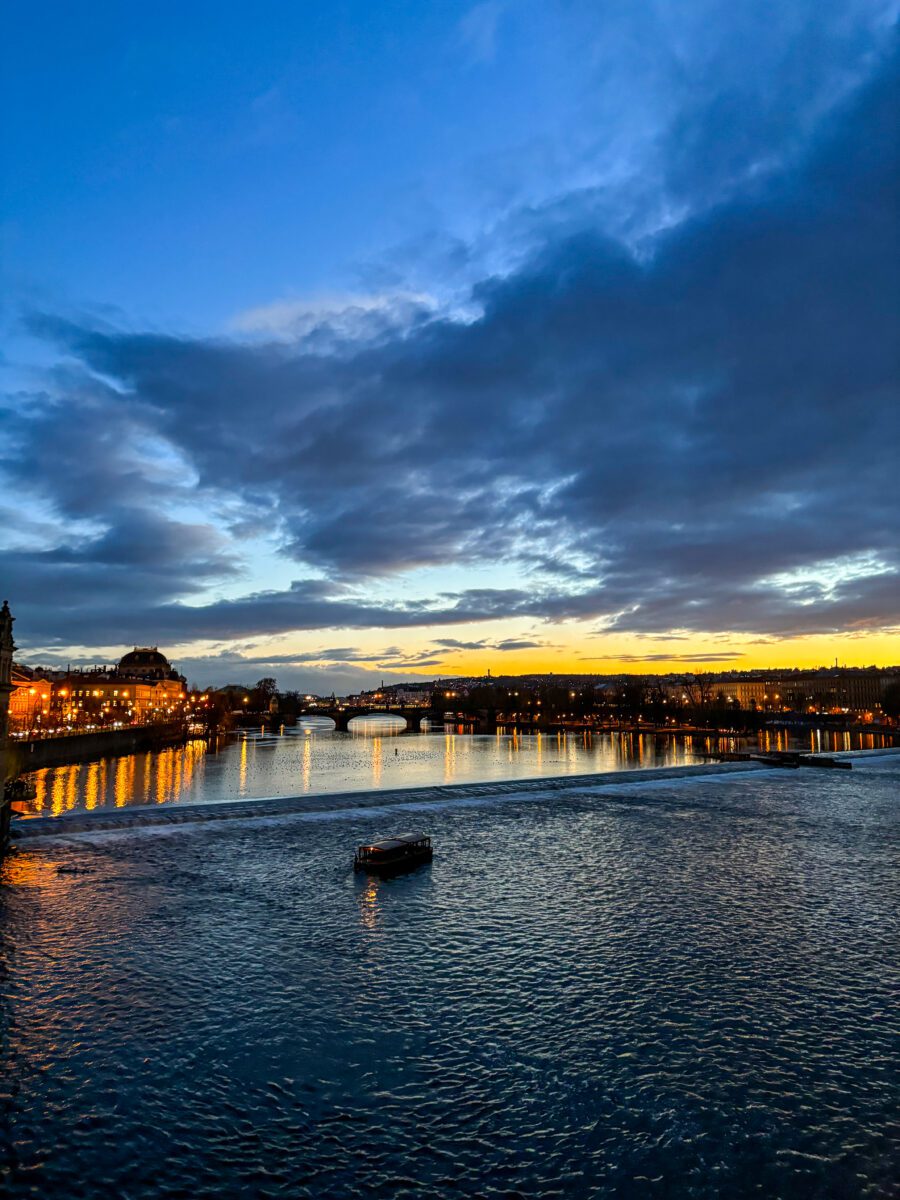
column 674, row 987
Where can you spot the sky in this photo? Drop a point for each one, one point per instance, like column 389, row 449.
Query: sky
column 346, row 342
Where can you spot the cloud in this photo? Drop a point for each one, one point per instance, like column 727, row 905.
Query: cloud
column 696, row 436
column 456, row 644
column 486, row 644
column 216, row 670
column 478, row 30
column 328, row 323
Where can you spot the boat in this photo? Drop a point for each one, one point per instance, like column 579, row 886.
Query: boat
column 399, row 853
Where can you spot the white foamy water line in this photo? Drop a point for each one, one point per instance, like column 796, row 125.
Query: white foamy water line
column 80, row 827
column 151, row 821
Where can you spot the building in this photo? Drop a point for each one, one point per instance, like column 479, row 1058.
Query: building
column 29, row 700
column 834, row 690
column 143, row 686
column 409, row 696
column 147, row 663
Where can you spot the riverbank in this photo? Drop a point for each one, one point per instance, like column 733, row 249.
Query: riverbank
column 35, row 755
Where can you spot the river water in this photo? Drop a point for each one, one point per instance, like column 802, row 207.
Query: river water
column 673, row 987
column 308, row 759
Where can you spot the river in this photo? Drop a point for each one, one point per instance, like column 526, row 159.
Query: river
column 680, row 986
column 310, row 759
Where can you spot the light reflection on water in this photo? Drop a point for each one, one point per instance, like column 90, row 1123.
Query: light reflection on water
column 312, row 759
column 683, row 987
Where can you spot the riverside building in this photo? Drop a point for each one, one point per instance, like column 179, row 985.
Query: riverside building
column 142, row 687
column 836, row 690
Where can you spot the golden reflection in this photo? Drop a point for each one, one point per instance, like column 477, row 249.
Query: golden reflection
column 377, row 761
column 188, row 760
column 368, row 903
column 167, row 775
column 72, row 787
column 40, row 791
column 91, row 786
column 242, row 781
column 449, row 757
column 307, row 761
column 163, row 777
column 58, row 790
column 28, row 869
column 124, row 781
column 573, row 757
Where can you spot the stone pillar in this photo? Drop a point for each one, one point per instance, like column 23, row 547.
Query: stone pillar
column 7, row 646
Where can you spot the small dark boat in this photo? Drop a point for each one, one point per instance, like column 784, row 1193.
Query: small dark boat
column 399, row 853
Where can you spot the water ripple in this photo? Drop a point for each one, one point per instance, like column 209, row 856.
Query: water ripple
column 676, row 988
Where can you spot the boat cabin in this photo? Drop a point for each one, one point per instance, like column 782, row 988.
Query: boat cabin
column 403, row 850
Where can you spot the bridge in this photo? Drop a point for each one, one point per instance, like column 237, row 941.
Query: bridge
column 343, row 716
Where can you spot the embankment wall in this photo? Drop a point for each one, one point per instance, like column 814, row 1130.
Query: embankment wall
column 106, row 743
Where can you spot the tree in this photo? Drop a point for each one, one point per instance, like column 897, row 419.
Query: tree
column 890, row 701
column 262, row 694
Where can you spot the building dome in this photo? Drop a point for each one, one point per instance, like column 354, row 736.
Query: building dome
column 144, row 662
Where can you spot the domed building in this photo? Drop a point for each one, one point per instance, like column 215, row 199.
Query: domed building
column 146, row 662
column 154, row 689
column 142, row 687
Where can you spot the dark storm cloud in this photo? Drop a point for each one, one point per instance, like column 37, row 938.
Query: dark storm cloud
column 487, row 644
column 139, row 555
column 710, row 431
column 216, row 670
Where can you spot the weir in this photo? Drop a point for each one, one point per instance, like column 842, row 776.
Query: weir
column 276, row 806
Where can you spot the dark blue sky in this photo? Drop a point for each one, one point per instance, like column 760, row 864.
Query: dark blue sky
column 348, row 339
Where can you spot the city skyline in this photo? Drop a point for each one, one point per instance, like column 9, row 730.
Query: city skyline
column 325, row 364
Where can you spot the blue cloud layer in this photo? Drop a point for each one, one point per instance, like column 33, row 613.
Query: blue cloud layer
column 697, row 432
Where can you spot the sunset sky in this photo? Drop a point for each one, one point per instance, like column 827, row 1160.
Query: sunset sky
column 357, row 341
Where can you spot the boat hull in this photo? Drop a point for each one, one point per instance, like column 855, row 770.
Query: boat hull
column 394, row 865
